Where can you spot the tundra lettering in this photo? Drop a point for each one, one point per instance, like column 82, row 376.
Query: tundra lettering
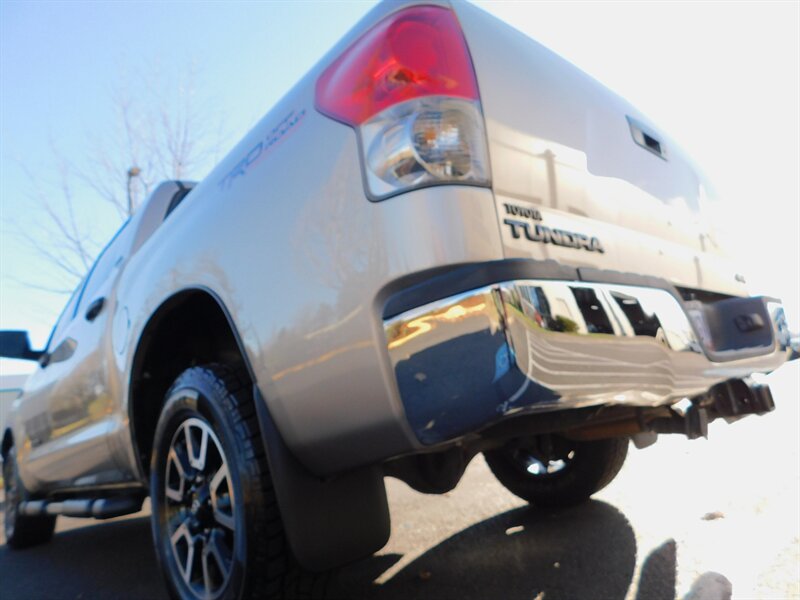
column 557, row 237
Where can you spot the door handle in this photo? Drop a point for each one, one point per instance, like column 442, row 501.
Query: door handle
column 95, row 308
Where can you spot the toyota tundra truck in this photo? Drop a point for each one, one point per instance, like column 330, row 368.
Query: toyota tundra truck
column 445, row 240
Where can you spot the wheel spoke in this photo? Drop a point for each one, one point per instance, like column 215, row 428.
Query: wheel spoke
column 225, row 520
column 208, row 584
column 174, row 460
column 220, row 477
column 177, row 461
column 217, row 549
column 222, row 504
column 197, row 451
column 185, row 559
column 175, row 494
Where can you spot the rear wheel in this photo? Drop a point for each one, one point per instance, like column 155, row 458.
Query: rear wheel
column 216, row 526
column 21, row 531
column 554, row 471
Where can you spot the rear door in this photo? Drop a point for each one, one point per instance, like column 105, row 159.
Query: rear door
column 69, row 407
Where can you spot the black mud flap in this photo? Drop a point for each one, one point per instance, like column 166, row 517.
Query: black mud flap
column 328, row 523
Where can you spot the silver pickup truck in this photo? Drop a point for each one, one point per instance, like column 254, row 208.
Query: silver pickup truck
column 443, row 241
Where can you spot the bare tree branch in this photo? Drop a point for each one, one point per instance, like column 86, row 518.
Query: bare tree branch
column 159, row 134
column 43, row 288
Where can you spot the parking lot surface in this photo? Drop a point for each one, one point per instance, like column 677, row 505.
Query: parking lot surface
column 698, row 520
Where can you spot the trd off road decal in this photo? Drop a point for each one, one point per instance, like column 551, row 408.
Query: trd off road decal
column 263, row 147
column 536, row 232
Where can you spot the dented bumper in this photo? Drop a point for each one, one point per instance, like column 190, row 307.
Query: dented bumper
column 469, row 360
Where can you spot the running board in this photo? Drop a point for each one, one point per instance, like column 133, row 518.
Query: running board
column 98, row 508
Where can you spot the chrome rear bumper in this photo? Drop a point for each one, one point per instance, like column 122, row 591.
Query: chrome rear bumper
column 467, row 361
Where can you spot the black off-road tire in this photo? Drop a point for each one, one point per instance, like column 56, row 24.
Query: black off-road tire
column 21, row 531
column 592, row 466
column 262, row 565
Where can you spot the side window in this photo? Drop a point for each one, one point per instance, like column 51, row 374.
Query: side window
column 66, row 317
column 177, row 199
column 111, row 256
column 159, row 205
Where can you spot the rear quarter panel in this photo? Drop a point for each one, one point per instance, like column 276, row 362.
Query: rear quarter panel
column 298, row 255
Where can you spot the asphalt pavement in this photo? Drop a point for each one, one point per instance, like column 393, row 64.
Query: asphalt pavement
column 697, row 520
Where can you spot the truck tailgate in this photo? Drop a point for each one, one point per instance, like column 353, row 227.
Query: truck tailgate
column 582, row 177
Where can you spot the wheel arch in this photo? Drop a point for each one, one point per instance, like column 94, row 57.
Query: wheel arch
column 327, row 523
column 170, row 343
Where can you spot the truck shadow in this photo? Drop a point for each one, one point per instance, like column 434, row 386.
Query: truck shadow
column 584, row 552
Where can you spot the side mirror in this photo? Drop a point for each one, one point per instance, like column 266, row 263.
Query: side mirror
column 15, row 344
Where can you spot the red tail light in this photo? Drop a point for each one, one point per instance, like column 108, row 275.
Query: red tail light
column 416, row 52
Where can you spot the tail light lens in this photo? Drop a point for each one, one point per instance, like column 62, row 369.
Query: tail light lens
column 408, row 88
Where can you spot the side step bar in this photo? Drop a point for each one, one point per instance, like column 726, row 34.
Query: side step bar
column 99, row 508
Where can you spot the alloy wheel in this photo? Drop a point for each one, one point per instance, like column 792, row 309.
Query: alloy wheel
column 200, row 513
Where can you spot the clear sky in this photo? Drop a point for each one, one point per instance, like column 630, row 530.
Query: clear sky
column 722, row 78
